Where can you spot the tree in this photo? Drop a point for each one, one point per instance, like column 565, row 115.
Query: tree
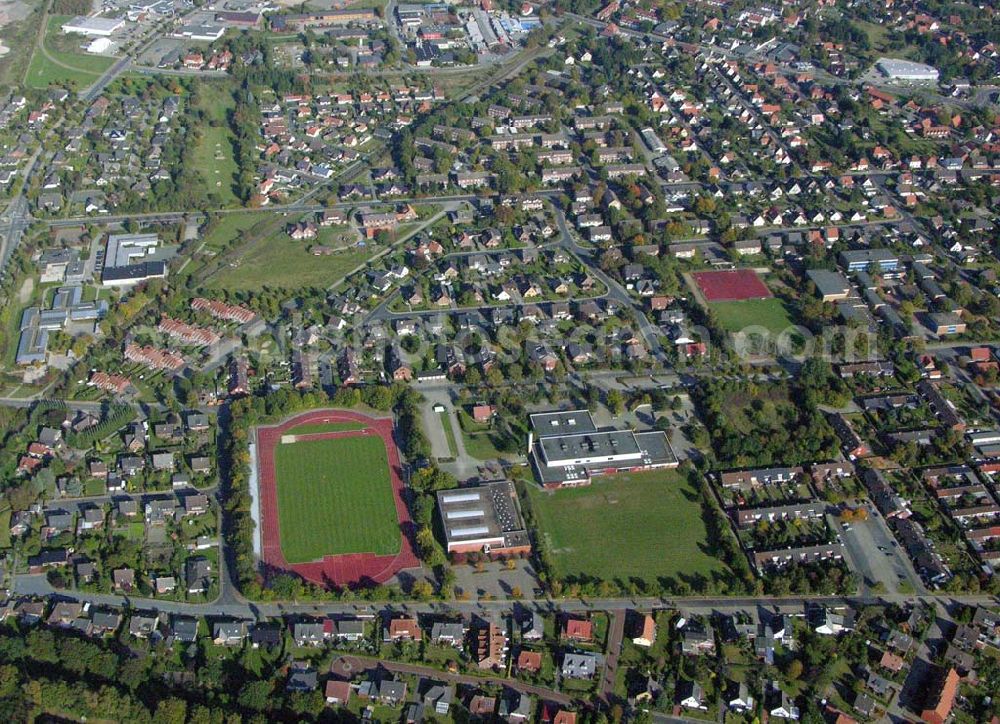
column 615, row 402
column 255, row 696
column 171, row 711
column 422, row 590
column 794, row 669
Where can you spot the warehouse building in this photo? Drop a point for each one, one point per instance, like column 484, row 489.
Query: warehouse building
column 906, row 70
column 93, row 27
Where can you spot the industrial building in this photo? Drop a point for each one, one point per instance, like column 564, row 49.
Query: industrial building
column 93, row 27
column 906, row 70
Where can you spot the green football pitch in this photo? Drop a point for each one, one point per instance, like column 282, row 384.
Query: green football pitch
column 335, row 496
column 643, row 525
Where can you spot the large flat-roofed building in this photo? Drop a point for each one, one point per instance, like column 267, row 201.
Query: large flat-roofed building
column 129, row 260
column 831, row 286
column 486, row 518
column 326, row 19
column 854, row 260
column 567, row 449
column 207, row 32
column 905, row 70
column 93, row 26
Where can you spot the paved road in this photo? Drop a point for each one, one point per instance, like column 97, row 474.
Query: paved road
column 91, row 94
column 616, row 634
column 38, row 585
column 616, row 291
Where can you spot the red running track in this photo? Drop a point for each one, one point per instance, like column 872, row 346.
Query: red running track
column 731, row 286
column 340, row 570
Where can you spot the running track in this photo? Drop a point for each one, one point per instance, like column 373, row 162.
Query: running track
column 340, row 570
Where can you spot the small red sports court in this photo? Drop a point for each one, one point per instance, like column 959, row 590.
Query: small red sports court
column 731, row 286
column 340, row 570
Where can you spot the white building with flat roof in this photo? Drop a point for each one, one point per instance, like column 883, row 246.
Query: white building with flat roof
column 566, row 449
column 94, row 27
column 906, row 70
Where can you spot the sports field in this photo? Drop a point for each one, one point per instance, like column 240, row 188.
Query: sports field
column 731, row 285
column 334, row 496
column 644, row 525
column 768, row 313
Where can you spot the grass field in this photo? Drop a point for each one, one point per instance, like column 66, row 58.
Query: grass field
column 768, row 313
column 60, row 63
column 335, row 496
column 214, row 159
column 644, row 525
column 284, row 262
column 229, row 226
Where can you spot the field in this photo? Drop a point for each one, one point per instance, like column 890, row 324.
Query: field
column 214, row 159
column 645, row 525
column 768, row 313
column 58, row 62
column 334, row 497
column 723, row 286
column 280, row 261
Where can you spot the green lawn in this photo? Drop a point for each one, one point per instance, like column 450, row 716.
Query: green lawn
column 228, row 226
column 214, row 159
column 5, row 528
column 480, row 445
column 282, row 262
column 61, row 63
column 768, row 313
column 477, row 437
column 449, row 433
column 644, row 525
column 334, row 496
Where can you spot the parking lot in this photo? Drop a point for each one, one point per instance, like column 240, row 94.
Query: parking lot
column 874, row 554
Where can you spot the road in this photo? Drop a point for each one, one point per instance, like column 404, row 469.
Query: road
column 616, row 634
column 650, row 333
column 38, row 585
column 91, row 94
